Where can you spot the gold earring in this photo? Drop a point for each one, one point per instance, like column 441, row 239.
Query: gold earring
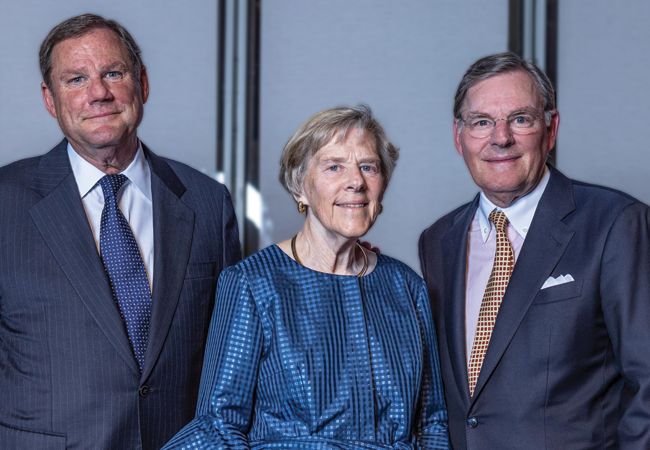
column 381, row 209
column 302, row 207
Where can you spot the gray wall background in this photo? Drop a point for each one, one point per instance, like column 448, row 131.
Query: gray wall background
column 604, row 93
column 402, row 57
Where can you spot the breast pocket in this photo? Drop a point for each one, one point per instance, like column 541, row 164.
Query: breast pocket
column 200, row 270
column 559, row 293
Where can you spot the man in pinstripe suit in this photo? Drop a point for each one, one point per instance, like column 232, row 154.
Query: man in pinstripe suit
column 69, row 378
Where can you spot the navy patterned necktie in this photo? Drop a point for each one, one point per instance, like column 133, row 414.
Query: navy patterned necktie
column 125, row 267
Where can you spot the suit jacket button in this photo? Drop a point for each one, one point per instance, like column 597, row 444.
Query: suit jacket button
column 472, row 422
column 144, row 391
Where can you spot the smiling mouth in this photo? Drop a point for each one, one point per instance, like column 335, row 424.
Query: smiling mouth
column 352, row 205
column 502, row 159
column 100, row 116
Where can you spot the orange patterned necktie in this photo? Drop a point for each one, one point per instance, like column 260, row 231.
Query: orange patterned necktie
column 504, row 262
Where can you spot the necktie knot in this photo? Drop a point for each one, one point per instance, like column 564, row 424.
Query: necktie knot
column 111, row 184
column 500, row 221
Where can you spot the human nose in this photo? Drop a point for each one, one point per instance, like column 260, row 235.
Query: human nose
column 99, row 91
column 501, row 134
column 356, row 180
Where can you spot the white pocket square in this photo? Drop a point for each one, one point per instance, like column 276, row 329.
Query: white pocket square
column 559, row 280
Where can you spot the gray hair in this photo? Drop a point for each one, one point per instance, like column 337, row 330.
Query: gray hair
column 79, row 26
column 502, row 63
column 321, row 129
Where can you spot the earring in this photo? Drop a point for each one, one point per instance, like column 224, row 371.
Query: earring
column 381, row 209
column 302, row 207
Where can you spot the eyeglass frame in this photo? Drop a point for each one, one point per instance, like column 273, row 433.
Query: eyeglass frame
column 548, row 115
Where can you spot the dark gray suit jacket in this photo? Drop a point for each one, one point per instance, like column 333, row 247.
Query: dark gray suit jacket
column 567, row 367
column 68, row 376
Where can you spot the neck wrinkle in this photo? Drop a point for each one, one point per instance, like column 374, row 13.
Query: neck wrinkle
column 110, row 161
column 326, row 255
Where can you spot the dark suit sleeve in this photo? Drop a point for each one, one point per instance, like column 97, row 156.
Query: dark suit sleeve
column 432, row 429
column 232, row 249
column 230, row 369
column 625, row 297
column 421, row 252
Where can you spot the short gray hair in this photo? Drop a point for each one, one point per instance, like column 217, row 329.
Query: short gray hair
column 79, row 26
column 502, row 63
column 321, row 129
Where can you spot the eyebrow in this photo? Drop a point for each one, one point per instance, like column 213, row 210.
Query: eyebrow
column 331, row 160
column 115, row 65
column 516, row 111
column 370, row 160
column 341, row 160
column 82, row 71
column 71, row 72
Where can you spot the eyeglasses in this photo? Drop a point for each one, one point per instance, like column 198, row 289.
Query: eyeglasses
column 480, row 125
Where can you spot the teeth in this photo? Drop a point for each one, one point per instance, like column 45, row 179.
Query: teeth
column 353, row 206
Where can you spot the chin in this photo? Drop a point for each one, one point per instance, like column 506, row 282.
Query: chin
column 355, row 232
column 104, row 139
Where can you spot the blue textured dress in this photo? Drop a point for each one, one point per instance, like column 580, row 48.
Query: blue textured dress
column 304, row 360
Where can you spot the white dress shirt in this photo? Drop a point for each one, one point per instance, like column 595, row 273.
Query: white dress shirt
column 134, row 200
column 482, row 247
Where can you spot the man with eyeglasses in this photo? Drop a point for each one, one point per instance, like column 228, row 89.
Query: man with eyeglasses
column 540, row 287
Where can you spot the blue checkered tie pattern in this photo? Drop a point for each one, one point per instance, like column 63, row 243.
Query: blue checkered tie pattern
column 125, row 267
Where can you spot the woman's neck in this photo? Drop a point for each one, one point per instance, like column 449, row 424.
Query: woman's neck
column 337, row 256
column 324, row 251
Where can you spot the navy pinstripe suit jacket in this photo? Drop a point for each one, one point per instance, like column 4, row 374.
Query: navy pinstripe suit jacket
column 68, row 376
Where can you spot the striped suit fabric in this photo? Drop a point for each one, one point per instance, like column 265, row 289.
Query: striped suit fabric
column 68, row 375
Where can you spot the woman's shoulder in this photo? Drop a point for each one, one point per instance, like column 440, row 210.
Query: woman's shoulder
column 266, row 264
column 261, row 261
column 390, row 263
column 403, row 282
column 392, row 266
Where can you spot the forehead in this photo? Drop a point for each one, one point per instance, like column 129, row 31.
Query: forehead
column 355, row 140
column 100, row 45
column 503, row 93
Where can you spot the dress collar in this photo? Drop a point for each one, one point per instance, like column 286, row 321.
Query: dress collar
column 520, row 213
column 87, row 175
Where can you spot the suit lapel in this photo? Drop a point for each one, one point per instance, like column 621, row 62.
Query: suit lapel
column 454, row 247
column 61, row 219
column 173, row 223
column 544, row 246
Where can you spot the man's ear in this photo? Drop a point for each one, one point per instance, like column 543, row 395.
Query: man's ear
column 552, row 129
column 144, row 84
column 48, row 98
column 457, row 144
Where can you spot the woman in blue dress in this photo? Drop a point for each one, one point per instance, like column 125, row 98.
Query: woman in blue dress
column 317, row 342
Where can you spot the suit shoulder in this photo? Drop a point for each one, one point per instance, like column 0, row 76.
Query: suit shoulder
column 19, row 167
column 192, row 177
column 18, row 172
column 603, row 193
column 603, row 200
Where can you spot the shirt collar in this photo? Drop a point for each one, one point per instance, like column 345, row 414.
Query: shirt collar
column 87, row 175
column 520, row 213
